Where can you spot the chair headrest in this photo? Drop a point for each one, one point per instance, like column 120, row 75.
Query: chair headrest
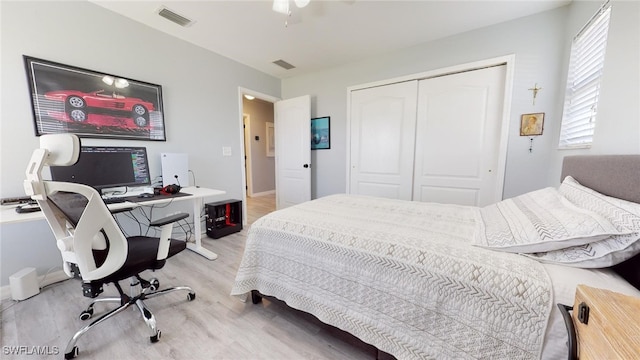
column 63, row 149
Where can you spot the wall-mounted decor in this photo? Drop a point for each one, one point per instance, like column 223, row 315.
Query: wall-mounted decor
column 271, row 144
column 68, row 99
column 535, row 90
column 320, row 134
column 531, row 124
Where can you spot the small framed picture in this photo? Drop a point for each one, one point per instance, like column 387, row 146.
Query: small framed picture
column 320, row 134
column 271, row 144
column 531, row 124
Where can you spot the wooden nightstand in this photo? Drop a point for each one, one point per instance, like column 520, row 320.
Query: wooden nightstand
column 607, row 324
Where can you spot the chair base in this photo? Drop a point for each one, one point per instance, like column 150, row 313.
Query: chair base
column 125, row 302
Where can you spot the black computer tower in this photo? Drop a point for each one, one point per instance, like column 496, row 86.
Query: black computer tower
column 223, row 218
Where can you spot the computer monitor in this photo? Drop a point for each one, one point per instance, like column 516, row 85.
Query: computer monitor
column 104, row 167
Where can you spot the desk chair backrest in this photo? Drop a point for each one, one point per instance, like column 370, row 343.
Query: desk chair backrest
column 76, row 213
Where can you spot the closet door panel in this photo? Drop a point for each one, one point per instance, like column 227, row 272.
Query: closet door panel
column 458, row 137
column 382, row 140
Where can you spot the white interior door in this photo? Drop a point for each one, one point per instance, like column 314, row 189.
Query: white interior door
column 292, row 126
column 458, row 138
column 382, row 138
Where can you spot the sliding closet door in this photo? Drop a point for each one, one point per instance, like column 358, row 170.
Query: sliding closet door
column 382, row 138
column 458, row 138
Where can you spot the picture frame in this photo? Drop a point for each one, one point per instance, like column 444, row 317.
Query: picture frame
column 271, row 144
column 531, row 124
column 69, row 99
column 321, row 133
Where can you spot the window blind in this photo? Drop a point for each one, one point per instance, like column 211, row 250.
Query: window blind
column 583, row 81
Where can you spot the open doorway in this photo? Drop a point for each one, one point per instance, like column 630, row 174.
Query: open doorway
column 258, row 154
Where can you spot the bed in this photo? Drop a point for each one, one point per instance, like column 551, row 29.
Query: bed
column 426, row 280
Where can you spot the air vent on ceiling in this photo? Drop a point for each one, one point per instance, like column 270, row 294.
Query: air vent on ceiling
column 174, row 17
column 283, row 64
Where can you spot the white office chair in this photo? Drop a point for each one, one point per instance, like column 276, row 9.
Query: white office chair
column 92, row 245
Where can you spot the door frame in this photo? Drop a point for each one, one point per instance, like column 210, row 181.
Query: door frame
column 508, row 60
column 258, row 95
column 246, row 123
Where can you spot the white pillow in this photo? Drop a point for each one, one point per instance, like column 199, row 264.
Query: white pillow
column 604, row 253
column 624, row 215
column 539, row 221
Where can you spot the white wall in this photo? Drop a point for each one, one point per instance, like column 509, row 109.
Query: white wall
column 200, row 91
column 539, row 43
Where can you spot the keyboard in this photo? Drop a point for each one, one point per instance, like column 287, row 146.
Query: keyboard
column 114, row 200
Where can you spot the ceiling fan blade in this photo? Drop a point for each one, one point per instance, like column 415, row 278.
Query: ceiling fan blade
column 281, row 6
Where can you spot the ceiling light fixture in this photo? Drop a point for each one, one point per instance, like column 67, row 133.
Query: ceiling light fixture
column 282, row 6
column 249, row 97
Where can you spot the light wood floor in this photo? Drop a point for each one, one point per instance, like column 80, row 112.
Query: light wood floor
column 213, row 326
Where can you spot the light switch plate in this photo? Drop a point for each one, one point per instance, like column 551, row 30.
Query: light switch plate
column 226, row 151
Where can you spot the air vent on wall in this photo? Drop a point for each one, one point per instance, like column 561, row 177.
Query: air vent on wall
column 174, row 17
column 283, row 64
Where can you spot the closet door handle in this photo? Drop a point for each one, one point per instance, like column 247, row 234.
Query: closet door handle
column 306, row 166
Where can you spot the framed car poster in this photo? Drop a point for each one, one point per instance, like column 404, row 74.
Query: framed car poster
column 68, row 99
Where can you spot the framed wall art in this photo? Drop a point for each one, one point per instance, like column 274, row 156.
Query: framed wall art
column 68, row 99
column 531, row 124
column 271, row 143
column 320, row 133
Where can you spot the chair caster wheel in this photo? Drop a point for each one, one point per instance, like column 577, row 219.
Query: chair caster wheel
column 87, row 314
column 155, row 338
column 191, row 296
column 72, row 354
column 154, row 284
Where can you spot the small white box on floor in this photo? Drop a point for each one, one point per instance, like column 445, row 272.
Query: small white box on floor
column 24, row 284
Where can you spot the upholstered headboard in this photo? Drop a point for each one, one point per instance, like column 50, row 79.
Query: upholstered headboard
column 613, row 175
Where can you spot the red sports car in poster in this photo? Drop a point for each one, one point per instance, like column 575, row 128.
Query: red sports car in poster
column 100, row 108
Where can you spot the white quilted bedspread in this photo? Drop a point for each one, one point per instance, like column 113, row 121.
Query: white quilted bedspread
column 401, row 276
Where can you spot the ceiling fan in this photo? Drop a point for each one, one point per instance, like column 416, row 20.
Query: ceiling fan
column 282, row 6
column 294, row 17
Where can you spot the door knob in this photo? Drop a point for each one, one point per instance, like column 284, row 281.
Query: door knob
column 306, row 166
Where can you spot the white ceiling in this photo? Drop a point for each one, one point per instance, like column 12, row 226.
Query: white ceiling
column 325, row 33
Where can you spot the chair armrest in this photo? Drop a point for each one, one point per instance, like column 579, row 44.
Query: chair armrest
column 127, row 209
column 169, row 219
column 166, row 226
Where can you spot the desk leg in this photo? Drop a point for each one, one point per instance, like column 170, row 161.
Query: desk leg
column 197, row 246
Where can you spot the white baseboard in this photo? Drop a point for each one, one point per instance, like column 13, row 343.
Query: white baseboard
column 264, row 193
column 53, row 277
